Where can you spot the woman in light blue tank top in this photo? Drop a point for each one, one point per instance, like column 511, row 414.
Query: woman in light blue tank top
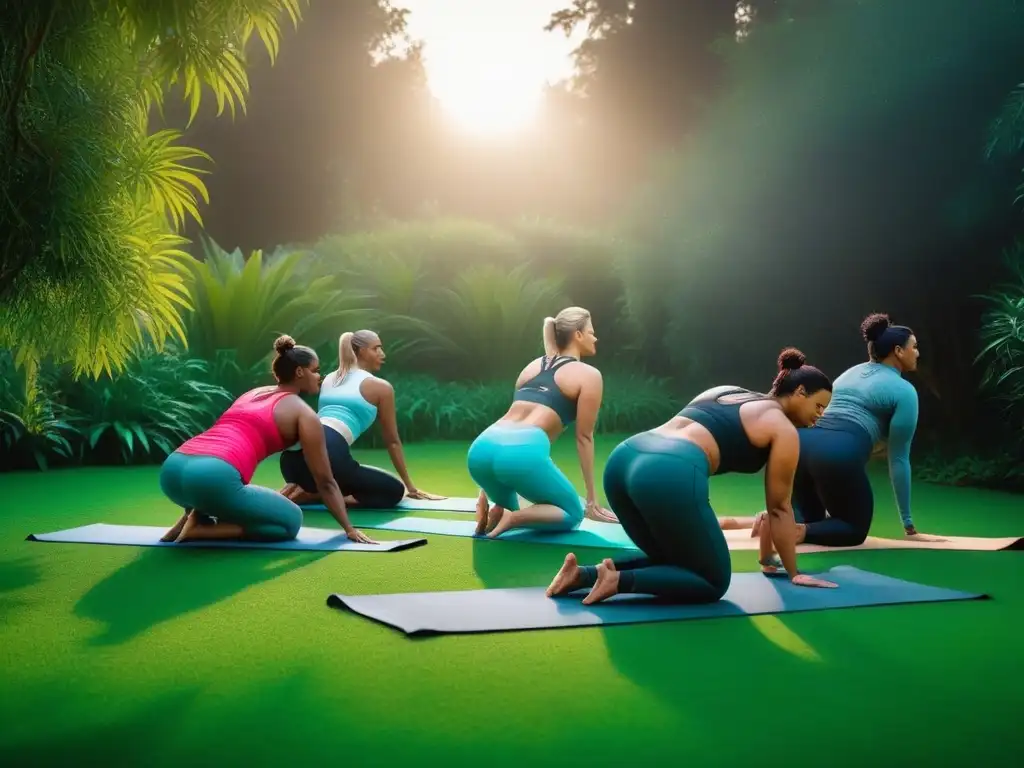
column 351, row 400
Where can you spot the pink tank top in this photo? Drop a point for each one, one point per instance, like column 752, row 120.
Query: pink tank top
column 244, row 435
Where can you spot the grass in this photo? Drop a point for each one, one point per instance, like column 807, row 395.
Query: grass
column 122, row 655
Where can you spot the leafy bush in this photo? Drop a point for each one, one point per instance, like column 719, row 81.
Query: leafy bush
column 1002, row 337
column 147, row 411
column 998, row 469
column 33, row 428
column 242, row 305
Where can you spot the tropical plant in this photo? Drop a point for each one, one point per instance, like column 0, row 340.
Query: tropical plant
column 155, row 404
column 1006, row 133
column 32, row 426
column 1002, row 337
column 91, row 259
column 242, row 305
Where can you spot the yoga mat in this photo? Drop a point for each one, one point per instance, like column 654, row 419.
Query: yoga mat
column 750, row 594
column 613, row 536
column 589, row 534
column 311, row 539
column 455, row 504
column 741, row 541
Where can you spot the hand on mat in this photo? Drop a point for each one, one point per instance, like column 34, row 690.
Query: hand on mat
column 416, row 493
column 596, row 512
column 803, row 580
column 359, row 537
column 913, row 535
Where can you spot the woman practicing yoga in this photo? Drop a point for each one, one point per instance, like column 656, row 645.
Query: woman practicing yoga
column 657, row 483
column 351, row 399
column 512, row 457
column 872, row 400
column 209, row 474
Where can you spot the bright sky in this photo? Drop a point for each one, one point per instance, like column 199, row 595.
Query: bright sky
column 488, row 61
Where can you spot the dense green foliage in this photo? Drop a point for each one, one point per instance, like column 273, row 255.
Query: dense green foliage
column 93, row 202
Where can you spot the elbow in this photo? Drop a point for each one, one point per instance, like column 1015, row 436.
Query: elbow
column 585, row 437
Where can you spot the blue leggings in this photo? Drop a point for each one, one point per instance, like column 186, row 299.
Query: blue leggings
column 658, row 487
column 214, row 488
column 511, row 461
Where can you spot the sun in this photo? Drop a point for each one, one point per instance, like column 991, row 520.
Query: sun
column 489, row 63
column 487, row 100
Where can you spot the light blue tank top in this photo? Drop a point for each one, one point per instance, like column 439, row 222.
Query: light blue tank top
column 877, row 398
column 345, row 403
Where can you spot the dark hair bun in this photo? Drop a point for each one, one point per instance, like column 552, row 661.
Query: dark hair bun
column 791, row 358
column 874, row 326
column 283, row 344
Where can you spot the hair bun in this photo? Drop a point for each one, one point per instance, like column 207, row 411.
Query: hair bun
column 791, row 358
column 283, row 344
column 874, row 326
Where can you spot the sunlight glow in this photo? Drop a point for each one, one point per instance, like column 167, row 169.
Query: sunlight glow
column 488, row 63
column 785, row 638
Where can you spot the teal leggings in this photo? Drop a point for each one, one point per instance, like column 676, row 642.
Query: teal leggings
column 214, row 488
column 511, row 461
column 658, row 488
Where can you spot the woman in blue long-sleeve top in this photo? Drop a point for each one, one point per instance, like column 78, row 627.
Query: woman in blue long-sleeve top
column 870, row 402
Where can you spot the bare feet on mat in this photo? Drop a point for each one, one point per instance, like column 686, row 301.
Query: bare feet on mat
column 607, row 584
column 188, row 529
column 481, row 515
column 174, row 532
column 497, row 521
column 567, row 578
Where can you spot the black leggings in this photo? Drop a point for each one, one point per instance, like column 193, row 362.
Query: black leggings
column 658, row 487
column 372, row 488
column 832, row 475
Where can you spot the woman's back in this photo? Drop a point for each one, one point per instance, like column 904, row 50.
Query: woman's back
column 868, row 395
column 245, row 434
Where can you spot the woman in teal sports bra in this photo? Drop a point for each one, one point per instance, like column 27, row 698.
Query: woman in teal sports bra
column 512, row 457
column 657, row 483
column 352, row 398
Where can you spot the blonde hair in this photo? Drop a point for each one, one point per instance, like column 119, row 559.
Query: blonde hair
column 558, row 330
column 349, row 345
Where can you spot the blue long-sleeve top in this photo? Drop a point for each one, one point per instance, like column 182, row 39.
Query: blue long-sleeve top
column 884, row 404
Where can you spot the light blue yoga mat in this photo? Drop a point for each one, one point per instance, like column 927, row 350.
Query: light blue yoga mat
column 589, row 534
column 311, row 539
column 750, row 594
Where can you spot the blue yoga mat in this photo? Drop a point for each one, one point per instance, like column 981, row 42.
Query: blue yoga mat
column 750, row 594
column 589, row 534
column 311, row 539
column 456, row 504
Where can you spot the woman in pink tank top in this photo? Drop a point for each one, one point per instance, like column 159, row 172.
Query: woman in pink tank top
column 210, row 474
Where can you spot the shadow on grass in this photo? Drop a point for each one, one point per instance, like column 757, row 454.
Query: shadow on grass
column 123, row 742
column 162, row 584
column 20, row 573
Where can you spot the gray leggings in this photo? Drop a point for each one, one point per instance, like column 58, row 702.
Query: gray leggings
column 213, row 487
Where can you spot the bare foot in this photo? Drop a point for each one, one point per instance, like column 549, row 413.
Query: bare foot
column 497, row 521
column 728, row 523
column 173, row 533
column 607, row 584
column 192, row 521
column 567, row 579
column 481, row 515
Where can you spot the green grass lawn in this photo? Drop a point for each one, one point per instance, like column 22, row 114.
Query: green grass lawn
column 143, row 656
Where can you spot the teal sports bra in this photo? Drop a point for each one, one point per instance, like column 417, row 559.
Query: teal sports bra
column 543, row 390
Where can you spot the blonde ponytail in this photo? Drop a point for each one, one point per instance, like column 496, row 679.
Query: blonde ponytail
column 550, row 346
column 346, row 357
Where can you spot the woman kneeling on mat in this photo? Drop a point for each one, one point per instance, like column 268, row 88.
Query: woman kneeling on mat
column 657, row 484
column 512, row 457
column 872, row 401
column 209, row 474
column 351, row 399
